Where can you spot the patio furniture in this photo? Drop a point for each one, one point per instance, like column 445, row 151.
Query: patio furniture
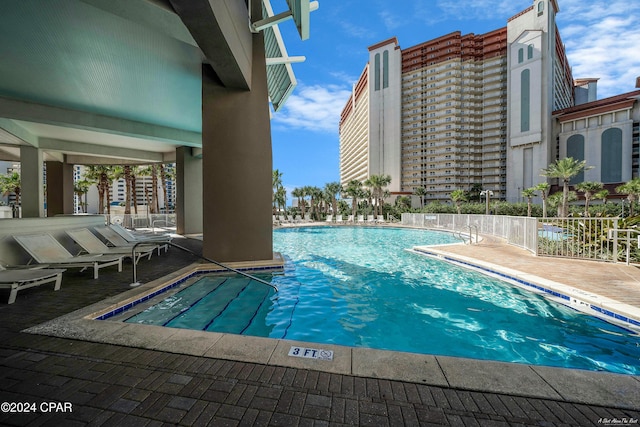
column 92, row 245
column 19, row 279
column 44, row 249
column 118, row 241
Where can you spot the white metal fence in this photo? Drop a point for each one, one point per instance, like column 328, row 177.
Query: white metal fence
column 516, row 230
column 596, row 239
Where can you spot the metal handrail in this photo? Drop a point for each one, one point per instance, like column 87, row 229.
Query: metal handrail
column 226, row 267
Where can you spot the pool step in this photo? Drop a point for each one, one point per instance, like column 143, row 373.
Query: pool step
column 229, row 307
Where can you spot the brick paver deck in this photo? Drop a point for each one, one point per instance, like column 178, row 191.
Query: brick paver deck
column 113, row 385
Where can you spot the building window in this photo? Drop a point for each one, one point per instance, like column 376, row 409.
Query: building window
column 540, row 8
column 611, row 157
column 525, row 100
column 520, row 55
column 575, row 149
column 530, row 51
column 385, row 69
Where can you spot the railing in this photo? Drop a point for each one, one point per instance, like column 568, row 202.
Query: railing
column 226, row 267
column 517, row 231
column 596, row 239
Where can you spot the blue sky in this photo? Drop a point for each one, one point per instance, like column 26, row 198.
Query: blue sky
column 601, row 38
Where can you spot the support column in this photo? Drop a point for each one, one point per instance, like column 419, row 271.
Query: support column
column 59, row 188
column 188, row 192
column 237, row 166
column 31, row 182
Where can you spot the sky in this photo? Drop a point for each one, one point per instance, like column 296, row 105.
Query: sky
column 600, row 36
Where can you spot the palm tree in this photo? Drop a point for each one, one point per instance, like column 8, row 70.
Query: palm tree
column 565, row 169
column 420, row 192
column 529, row 193
column 332, row 190
column 81, row 188
column 276, row 184
column 588, row 188
column 602, row 195
column 281, row 198
column 167, row 172
column 458, row 196
column 354, row 191
column 376, row 183
column 632, row 190
column 299, row 193
column 102, row 177
column 134, row 171
column 10, row 183
column 315, row 193
column 543, row 188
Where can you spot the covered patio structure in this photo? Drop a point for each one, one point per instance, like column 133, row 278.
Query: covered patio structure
column 150, row 81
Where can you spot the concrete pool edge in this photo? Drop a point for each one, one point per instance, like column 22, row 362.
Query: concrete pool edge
column 570, row 385
column 589, row 303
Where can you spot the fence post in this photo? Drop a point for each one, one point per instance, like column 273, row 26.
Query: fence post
column 615, row 240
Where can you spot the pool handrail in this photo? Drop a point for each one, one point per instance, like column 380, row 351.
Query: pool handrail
column 226, row 267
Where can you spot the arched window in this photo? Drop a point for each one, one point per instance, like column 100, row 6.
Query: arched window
column 520, row 55
column 575, row 149
column 376, row 72
column 540, row 8
column 525, row 100
column 385, row 69
column 611, row 156
column 530, row 51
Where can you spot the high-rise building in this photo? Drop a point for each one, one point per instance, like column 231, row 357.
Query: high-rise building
column 453, row 112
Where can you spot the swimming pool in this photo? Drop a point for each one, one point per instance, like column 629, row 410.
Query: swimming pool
column 358, row 286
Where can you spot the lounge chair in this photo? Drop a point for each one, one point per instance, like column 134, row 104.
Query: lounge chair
column 290, row 219
column 298, row 219
column 118, row 241
column 360, row 219
column 350, row 218
column 140, row 237
column 20, row 279
column 339, row 219
column 329, row 218
column 92, row 245
column 44, row 249
column 307, row 217
column 380, row 219
column 371, row 219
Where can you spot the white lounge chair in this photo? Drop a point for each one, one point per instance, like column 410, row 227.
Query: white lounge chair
column 360, row 219
column 92, row 245
column 20, row 279
column 298, row 219
column 350, row 218
column 371, row 219
column 329, row 218
column 140, row 237
column 115, row 239
column 44, row 249
column 339, row 219
column 380, row 219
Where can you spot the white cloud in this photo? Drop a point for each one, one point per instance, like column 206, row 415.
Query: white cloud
column 313, row 108
column 601, row 41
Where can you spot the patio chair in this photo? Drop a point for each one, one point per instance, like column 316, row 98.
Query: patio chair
column 115, row 239
column 44, row 249
column 329, row 218
column 380, row 219
column 370, row 219
column 20, row 279
column 132, row 237
column 360, row 219
column 92, row 245
column 339, row 219
column 298, row 219
column 350, row 218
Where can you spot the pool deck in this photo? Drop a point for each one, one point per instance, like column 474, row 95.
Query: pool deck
column 115, row 374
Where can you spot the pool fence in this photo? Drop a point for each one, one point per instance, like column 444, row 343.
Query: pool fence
column 597, row 239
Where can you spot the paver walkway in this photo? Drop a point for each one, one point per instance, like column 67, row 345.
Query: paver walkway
column 112, row 385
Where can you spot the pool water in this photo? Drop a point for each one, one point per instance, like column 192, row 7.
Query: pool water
column 359, row 286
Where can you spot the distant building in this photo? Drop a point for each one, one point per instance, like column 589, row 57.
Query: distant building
column 467, row 111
